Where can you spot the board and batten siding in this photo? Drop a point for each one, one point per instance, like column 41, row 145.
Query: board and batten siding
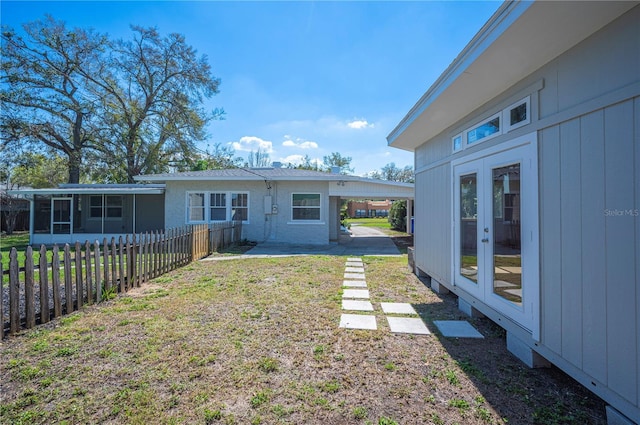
column 585, row 108
column 432, row 209
column 590, row 243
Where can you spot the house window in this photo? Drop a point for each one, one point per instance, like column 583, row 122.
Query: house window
column 305, row 206
column 107, row 206
column 217, row 206
column 196, row 207
column 239, row 206
column 457, row 142
column 218, row 202
column 517, row 115
column 487, row 128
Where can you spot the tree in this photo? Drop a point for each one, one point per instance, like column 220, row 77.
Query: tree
column 153, row 100
column 307, row 164
column 392, row 173
column 398, row 216
column 337, row 160
column 45, row 96
column 258, row 159
column 219, row 158
column 38, row 170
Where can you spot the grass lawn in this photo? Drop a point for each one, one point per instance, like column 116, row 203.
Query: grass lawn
column 257, row 342
column 381, row 223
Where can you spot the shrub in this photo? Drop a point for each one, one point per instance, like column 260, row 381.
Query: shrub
column 398, row 216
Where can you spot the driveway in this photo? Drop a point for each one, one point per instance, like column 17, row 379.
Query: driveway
column 362, row 241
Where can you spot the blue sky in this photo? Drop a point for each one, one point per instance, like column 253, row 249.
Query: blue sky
column 299, row 78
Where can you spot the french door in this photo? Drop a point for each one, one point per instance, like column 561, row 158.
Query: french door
column 496, row 232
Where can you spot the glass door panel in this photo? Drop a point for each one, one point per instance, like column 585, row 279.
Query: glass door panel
column 469, row 227
column 507, row 246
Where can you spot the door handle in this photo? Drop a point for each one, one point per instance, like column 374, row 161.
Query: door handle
column 485, row 240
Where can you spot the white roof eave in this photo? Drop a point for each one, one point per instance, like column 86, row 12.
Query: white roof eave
column 519, row 38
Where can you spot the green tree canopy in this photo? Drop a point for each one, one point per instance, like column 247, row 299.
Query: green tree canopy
column 337, row 160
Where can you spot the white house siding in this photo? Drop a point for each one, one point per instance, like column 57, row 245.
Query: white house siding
column 586, row 108
column 432, row 208
column 261, row 227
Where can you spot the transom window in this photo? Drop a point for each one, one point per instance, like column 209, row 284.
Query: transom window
column 510, row 118
column 205, row 207
column 305, row 206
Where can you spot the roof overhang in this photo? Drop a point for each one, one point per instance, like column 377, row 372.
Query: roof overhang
column 518, row 39
column 156, row 189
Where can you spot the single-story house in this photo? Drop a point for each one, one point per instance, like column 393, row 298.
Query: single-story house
column 527, row 159
column 274, row 204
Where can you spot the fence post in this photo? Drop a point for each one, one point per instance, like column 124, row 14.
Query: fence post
column 68, row 285
column 123, row 285
column 14, row 292
column 114, row 264
column 145, row 256
column 96, row 254
column 87, row 260
column 45, row 310
column 134, row 263
column 79, row 288
column 55, row 281
column 105, row 254
column 127, row 248
column 29, row 299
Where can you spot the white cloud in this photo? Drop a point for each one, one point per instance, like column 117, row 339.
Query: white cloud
column 297, row 159
column 252, row 143
column 293, row 159
column 299, row 143
column 359, row 124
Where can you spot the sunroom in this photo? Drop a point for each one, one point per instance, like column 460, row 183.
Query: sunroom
column 92, row 212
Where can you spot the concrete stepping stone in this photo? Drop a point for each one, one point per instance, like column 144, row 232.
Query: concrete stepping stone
column 354, row 283
column 457, row 329
column 355, row 293
column 354, row 276
column 354, row 259
column 356, row 305
column 354, row 269
column 407, row 325
column 398, row 308
column 358, row 321
column 354, row 264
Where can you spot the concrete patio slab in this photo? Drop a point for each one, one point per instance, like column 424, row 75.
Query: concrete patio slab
column 358, row 321
column 354, row 283
column 354, row 259
column 353, row 264
column 398, row 308
column 354, row 269
column 408, row 325
column 355, row 293
column 457, row 329
column 354, row 276
column 357, row 305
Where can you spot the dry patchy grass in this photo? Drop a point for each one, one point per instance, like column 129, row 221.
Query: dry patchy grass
column 257, row 342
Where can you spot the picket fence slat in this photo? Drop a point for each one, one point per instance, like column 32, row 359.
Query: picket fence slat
column 94, row 271
column 79, row 288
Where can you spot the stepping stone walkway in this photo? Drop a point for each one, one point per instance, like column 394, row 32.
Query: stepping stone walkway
column 355, row 297
column 357, row 300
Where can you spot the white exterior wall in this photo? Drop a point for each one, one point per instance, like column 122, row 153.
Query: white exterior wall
column 585, row 106
column 261, row 227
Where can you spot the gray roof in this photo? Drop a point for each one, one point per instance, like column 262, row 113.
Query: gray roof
column 271, row 174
